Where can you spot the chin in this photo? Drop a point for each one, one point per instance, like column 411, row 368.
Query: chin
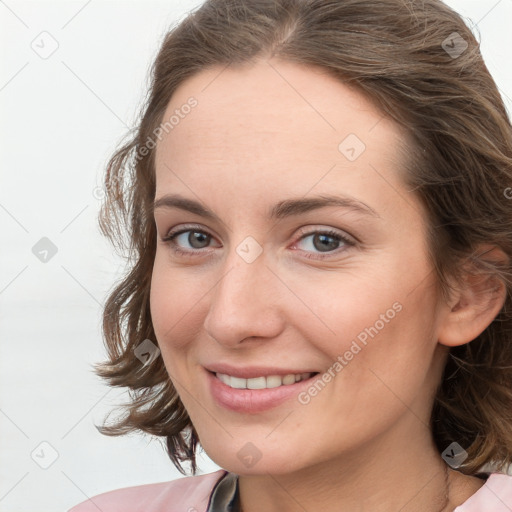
column 249, row 460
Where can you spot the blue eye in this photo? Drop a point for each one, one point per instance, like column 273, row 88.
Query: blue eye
column 327, row 242
column 195, row 237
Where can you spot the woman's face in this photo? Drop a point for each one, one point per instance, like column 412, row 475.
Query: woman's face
column 275, row 280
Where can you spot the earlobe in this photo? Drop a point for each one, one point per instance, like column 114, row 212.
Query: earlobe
column 475, row 303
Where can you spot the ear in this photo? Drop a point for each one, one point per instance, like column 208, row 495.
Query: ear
column 476, row 303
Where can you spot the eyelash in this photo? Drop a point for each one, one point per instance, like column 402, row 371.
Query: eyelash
column 169, row 239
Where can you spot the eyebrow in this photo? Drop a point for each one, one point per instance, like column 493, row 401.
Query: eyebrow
column 281, row 210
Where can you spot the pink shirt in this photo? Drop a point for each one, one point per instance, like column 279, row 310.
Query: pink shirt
column 193, row 494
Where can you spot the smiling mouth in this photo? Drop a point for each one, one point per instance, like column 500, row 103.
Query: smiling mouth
column 268, row 382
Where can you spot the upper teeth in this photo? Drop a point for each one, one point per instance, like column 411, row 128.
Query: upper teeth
column 272, row 381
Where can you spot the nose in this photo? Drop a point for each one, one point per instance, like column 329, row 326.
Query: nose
column 246, row 302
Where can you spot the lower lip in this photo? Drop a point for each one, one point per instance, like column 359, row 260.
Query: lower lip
column 253, row 400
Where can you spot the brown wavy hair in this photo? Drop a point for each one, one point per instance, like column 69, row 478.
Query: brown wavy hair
column 396, row 52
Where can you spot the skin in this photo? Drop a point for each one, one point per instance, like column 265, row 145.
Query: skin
column 260, row 134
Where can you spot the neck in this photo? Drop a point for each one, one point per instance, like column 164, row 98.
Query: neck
column 391, row 473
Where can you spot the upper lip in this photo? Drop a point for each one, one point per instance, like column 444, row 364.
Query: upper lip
column 250, row 372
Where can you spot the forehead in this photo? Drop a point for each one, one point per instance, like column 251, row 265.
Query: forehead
column 277, row 121
column 272, row 95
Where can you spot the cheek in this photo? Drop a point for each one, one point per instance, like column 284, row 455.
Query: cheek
column 374, row 330
column 386, row 365
column 173, row 301
column 343, row 307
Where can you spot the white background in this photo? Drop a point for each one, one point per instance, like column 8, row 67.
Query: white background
column 61, row 118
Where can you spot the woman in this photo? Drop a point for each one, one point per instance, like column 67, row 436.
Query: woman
column 316, row 205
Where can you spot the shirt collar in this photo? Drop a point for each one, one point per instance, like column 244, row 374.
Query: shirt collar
column 225, row 496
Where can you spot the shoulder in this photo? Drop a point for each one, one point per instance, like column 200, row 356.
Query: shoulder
column 494, row 496
column 187, row 494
